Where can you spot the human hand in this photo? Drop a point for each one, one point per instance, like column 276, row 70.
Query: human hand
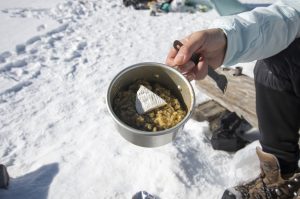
column 211, row 44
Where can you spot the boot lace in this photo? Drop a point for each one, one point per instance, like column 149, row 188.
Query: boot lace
column 288, row 189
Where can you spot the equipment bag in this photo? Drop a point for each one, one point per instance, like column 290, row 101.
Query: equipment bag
column 227, row 140
column 226, row 136
column 4, row 177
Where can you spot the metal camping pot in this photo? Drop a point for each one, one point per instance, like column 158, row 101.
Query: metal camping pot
column 167, row 77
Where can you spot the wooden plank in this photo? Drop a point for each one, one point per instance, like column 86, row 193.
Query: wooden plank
column 208, row 110
column 239, row 96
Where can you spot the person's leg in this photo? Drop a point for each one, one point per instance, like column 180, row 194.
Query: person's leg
column 278, row 105
column 278, row 115
column 277, row 82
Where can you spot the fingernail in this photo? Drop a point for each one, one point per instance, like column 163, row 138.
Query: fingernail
column 179, row 58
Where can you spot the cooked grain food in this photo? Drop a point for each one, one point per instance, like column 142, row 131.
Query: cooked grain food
column 158, row 119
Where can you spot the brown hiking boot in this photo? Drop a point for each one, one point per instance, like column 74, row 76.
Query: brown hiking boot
column 269, row 185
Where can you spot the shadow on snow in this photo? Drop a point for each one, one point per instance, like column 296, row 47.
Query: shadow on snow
column 34, row 185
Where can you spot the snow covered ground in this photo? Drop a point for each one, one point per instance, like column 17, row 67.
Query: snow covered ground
column 57, row 137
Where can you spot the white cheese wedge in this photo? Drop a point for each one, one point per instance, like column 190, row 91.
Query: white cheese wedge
column 146, row 100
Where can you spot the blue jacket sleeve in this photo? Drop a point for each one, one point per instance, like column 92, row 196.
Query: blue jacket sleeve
column 260, row 33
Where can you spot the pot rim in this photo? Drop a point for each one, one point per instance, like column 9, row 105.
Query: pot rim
column 149, row 133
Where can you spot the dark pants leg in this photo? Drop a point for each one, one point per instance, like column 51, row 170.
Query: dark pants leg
column 279, row 118
column 278, row 105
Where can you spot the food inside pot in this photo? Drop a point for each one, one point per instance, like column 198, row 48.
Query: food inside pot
column 158, row 119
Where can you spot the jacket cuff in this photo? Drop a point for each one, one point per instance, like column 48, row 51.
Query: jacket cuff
column 227, row 25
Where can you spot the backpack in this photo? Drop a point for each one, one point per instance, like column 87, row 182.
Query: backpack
column 226, row 137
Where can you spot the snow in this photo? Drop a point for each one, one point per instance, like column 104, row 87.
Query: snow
column 18, row 30
column 25, row 19
column 29, row 4
column 57, row 138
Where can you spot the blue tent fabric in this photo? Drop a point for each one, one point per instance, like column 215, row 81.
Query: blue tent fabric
column 229, row 7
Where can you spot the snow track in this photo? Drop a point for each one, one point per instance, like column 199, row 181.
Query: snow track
column 56, row 135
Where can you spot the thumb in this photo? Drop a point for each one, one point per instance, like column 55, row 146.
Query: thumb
column 190, row 45
column 182, row 56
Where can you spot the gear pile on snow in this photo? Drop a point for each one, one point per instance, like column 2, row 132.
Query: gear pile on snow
column 137, row 4
column 154, row 5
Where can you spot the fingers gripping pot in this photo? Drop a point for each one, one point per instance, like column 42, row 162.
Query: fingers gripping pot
column 167, row 77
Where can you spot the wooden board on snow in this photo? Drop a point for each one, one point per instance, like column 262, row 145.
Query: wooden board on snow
column 239, row 96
